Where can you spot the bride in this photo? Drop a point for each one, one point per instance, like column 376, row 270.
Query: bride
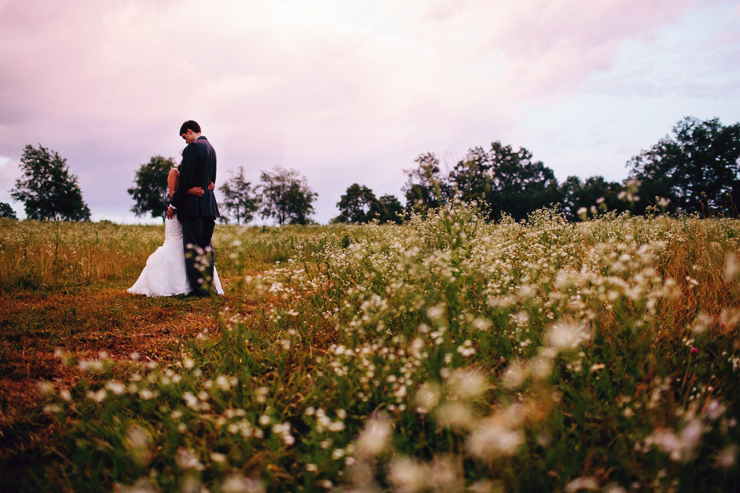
column 164, row 273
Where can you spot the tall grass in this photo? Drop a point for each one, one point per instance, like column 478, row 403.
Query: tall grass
column 447, row 354
column 42, row 255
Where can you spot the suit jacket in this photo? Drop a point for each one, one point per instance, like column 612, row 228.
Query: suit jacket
column 198, row 169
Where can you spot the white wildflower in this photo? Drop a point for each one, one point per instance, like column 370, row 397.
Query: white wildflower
column 491, row 438
column 467, row 384
column 426, row 398
column 408, row 475
column 236, row 483
column 187, row 460
column 374, row 438
column 565, row 336
column 582, row 483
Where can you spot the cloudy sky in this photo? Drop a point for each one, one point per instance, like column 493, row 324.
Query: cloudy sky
column 352, row 91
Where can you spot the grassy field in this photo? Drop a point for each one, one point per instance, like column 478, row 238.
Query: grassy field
column 447, row 354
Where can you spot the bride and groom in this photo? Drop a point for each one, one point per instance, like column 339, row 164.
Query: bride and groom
column 184, row 264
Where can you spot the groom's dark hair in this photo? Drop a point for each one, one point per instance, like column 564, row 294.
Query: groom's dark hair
column 190, row 125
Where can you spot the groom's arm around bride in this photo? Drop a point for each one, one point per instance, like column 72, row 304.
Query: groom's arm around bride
column 197, row 214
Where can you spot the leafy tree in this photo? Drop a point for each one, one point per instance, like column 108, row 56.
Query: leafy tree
column 286, row 196
column 426, row 188
column 7, row 211
column 696, row 168
column 359, row 205
column 240, row 199
column 150, row 190
column 594, row 192
column 47, row 188
column 387, row 209
column 506, row 181
column 355, row 205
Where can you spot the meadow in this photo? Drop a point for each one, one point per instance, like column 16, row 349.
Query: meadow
column 445, row 354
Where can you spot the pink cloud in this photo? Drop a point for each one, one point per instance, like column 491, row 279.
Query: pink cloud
column 317, row 86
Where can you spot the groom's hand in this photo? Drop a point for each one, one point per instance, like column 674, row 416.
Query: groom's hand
column 170, row 212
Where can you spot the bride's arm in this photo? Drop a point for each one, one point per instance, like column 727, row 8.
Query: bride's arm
column 172, row 181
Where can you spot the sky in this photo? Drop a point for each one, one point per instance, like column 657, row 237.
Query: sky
column 352, row 91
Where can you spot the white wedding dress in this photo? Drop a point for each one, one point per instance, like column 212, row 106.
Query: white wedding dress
column 164, row 274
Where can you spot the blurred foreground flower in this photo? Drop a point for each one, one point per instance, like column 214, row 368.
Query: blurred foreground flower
column 568, row 335
column 187, row 460
column 374, row 438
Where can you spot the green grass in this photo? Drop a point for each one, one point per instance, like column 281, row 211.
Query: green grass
column 444, row 354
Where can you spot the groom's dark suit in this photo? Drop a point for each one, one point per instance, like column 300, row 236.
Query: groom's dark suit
column 197, row 214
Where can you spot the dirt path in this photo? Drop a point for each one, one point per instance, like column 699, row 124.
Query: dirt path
column 83, row 323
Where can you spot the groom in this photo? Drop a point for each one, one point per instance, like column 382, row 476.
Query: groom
column 197, row 214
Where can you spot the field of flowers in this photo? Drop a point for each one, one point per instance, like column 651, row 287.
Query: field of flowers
column 446, row 354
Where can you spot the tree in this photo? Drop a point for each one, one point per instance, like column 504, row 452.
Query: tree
column 150, row 191
column 47, row 188
column 387, row 209
column 286, row 196
column 696, row 168
column 355, row 205
column 506, row 181
column 240, row 199
column 425, row 188
column 7, row 211
column 594, row 192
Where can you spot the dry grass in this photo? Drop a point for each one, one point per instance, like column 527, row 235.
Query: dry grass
column 84, row 323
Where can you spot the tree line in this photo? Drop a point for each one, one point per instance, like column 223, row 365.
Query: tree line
column 695, row 169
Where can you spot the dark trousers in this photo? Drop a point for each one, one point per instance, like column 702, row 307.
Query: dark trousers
column 196, row 238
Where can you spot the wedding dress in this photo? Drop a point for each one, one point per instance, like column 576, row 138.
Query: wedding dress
column 164, row 273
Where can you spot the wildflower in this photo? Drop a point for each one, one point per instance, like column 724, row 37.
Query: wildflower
column 45, row 388
column 727, row 458
column 191, row 401
column 565, row 336
column 187, row 460
column 217, row 457
column 481, row 324
column 467, row 384
column 582, row 483
column 515, row 375
column 52, row 409
column 92, row 366
column 223, row 383
column 337, row 454
column 142, row 485
column 116, row 387
column 407, row 475
column 436, row 312
column 236, row 483
column 455, row 414
column 98, row 396
column 732, row 267
column 492, row 438
column 374, row 437
column 137, row 437
column 426, row 398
